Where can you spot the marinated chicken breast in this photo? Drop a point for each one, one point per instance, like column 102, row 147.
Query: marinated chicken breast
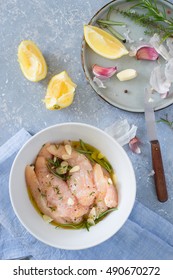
column 86, row 191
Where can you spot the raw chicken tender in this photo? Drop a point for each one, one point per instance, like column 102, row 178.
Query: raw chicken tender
column 107, row 196
column 81, row 181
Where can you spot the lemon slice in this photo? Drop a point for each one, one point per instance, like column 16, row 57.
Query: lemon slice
column 103, row 43
column 32, row 62
column 60, row 92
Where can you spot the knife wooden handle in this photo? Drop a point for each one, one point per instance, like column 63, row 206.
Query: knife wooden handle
column 159, row 175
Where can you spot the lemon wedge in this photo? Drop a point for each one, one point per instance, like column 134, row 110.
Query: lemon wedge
column 103, row 43
column 60, row 92
column 32, row 62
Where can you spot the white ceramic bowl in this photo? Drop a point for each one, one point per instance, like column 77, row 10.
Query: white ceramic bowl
column 64, row 238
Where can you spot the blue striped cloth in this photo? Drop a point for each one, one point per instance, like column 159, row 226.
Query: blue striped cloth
column 145, row 235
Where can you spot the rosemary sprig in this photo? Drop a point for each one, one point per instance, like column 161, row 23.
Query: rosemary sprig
column 85, row 224
column 51, row 170
column 103, row 214
column 83, row 151
column 105, row 164
column 106, row 23
column 166, row 121
column 52, row 167
column 110, row 22
column 71, row 225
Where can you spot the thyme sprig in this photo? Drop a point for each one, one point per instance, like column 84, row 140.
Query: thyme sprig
column 155, row 19
column 159, row 15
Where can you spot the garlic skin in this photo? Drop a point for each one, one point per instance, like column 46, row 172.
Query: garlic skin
column 147, row 53
column 98, row 82
column 169, row 43
column 158, row 81
column 103, row 72
column 121, row 131
column 169, row 71
column 160, row 48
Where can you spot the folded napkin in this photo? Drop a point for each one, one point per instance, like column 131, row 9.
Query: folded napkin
column 145, row 235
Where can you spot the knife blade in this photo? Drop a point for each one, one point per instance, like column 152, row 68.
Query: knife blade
column 159, row 175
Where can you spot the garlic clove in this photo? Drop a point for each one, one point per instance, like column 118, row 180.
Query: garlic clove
column 74, row 169
column 126, row 75
column 147, row 53
column 47, row 219
column 134, row 145
column 68, row 149
column 103, row 72
column 66, row 157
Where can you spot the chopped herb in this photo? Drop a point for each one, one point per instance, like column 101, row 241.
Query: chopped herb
column 49, row 184
column 57, row 190
column 52, row 208
column 92, row 193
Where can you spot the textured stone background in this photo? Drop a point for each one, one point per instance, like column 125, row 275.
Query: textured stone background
column 57, row 28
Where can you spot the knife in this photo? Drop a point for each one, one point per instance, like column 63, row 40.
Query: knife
column 159, row 175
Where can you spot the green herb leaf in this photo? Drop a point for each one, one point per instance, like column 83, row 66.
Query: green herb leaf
column 166, row 121
column 110, row 22
column 83, row 151
column 102, row 161
column 85, row 223
column 103, row 214
column 105, row 23
column 155, row 19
